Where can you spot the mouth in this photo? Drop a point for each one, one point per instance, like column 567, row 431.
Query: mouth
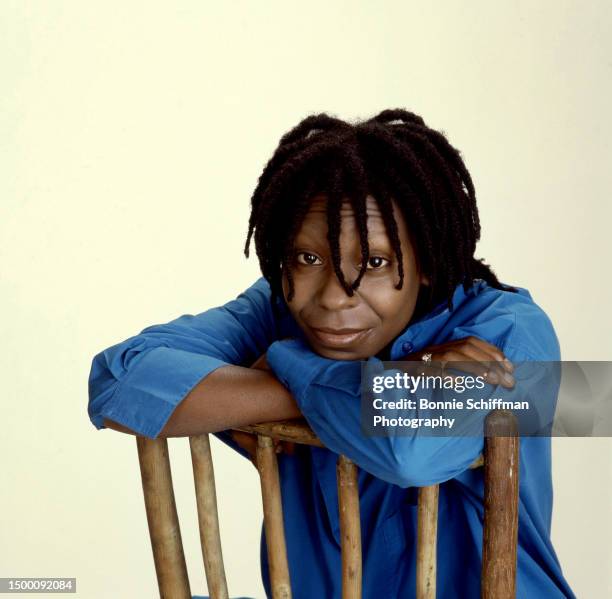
column 339, row 337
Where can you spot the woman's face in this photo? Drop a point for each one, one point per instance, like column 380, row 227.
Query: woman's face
column 338, row 326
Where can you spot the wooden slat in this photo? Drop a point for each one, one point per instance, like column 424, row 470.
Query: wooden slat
column 164, row 527
column 350, row 527
column 162, row 518
column 500, row 535
column 208, row 517
column 273, row 518
column 427, row 537
column 296, row 430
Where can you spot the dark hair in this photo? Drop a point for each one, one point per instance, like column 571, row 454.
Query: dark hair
column 393, row 155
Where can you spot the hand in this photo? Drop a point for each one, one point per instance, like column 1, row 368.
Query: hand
column 261, row 363
column 497, row 369
column 248, row 441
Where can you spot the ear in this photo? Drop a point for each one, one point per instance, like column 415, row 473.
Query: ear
column 425, row 280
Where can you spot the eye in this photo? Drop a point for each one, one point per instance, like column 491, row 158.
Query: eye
column 307, row 259
column 377, row 262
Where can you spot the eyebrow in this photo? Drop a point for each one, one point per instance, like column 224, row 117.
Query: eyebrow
column 378, row 240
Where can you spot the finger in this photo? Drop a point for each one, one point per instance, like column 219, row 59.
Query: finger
column 440, row 362
column 496, row 374
column 475, row 362
column 244, row 438
column 247, row 441
column 261, row 363
column 467, row 364
column 496, row 353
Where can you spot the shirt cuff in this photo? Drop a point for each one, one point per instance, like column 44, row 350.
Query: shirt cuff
column 145, row 399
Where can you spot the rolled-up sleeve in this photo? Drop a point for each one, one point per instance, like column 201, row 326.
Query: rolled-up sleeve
column 139, row 382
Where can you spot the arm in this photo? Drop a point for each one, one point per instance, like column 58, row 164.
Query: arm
column 231, row 396
column 192, row 375
column 328, row 393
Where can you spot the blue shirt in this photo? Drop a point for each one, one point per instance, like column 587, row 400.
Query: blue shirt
column 140, row 381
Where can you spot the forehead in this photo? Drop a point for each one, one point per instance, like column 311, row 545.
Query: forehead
column 316, row 217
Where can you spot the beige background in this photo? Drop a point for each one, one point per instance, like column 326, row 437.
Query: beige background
column 132, row 136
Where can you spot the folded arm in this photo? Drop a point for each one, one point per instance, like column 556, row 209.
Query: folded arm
column 229, row 397
column 192, row 375
column 328, row 393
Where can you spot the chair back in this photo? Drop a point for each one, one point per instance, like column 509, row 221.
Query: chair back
column 500, row 534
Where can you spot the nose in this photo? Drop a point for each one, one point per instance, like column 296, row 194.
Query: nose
column 332, row 295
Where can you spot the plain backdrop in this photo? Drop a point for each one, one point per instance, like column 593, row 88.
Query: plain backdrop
column 132, row 135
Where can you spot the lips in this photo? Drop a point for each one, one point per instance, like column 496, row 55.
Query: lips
column 338, row 337
column 344, row 331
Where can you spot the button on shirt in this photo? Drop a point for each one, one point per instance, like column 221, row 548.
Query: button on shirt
column 140, row 381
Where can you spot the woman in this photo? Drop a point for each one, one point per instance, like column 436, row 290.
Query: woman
column 365, row 234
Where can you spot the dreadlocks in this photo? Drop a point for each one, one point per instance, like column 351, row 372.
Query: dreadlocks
column 392, row 156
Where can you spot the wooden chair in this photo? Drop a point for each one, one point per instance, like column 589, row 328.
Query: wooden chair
column 501, row 467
